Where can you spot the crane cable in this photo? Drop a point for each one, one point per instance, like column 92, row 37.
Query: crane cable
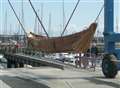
column 18, row 18
column 99, row 13
column 38, row 18
column 70, row 18
column 73, row 13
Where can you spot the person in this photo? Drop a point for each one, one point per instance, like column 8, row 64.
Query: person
column 78, row 61
column 94, row 49
column 85, row 61
column 94, row 53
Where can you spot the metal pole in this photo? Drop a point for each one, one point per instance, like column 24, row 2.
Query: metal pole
column 108, row 24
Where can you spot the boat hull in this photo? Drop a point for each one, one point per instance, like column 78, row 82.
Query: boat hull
column 78, row 42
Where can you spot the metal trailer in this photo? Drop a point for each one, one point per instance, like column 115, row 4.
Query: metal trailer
column 111, row 59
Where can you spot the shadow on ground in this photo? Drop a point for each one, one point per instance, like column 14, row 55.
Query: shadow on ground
column 103, row 81
column 16, row 82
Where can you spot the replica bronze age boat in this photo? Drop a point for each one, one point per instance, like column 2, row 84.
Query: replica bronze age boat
column 77, row 42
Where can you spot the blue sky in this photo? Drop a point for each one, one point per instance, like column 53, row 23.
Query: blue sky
column 84, row 15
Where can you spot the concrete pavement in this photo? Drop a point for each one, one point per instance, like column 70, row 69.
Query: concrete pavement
column 46, row 77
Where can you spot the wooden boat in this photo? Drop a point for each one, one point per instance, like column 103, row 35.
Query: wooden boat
column 78, row 42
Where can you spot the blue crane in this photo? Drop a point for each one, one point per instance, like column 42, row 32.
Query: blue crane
column 111, row 59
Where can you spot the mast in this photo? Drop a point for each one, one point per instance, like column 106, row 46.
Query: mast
column 35, row 25
column 10, row 33
column 22, row 17
column 42, row 6
column 23, row 23
column 5, row 24
column 64, row 18
column 19, row 27
column 49, row 26
column 38, row 25
column 117, row 24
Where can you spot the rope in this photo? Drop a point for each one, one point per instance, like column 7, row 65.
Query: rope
column 70, row 18
column 38, row 18
column 99, row 13
column 17, row 18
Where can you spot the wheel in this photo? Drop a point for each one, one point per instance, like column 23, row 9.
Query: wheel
column 109, row 67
